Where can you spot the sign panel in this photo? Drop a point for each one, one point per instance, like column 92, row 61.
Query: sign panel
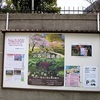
column 72, row 76
column 46, row 60
column 90, row 76
column 51, row 61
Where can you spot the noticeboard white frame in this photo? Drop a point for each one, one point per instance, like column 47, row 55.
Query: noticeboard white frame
column 84, row 62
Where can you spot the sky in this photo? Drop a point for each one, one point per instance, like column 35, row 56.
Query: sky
column 72, row 3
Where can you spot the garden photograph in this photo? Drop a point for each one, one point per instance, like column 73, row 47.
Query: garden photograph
column 46, row 59
column 81, row 50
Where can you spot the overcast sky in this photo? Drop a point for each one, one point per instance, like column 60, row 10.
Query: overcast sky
column 72, row 3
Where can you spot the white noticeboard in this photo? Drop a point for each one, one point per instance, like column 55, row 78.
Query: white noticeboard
column 52, row 61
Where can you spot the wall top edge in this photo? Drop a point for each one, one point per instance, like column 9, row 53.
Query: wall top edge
column 50, row 31
column 48, row 16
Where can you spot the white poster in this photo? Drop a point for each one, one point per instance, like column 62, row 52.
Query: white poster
column 15, row 47
column 15, row 60
column 16, row 43
column 90, row 76
column 14, row 67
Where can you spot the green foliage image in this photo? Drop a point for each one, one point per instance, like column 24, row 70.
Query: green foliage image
column 46, row 55
column 46, row 67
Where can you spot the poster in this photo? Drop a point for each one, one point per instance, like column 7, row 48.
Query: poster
column 15, row 60
column 46, row 60
column 14, row 67
column 81, row 50
column 72, row 78
column 90, row 76
column 16, row 43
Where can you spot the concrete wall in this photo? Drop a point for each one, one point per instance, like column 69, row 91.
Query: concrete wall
column 50, row 22
column 53, row 22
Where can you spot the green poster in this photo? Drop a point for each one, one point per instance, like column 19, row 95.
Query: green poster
column 46, row 60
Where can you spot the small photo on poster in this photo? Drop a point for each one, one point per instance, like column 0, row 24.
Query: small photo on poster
column 9, row 72
column 81, row 50
column 17, row 57
column 17, row 72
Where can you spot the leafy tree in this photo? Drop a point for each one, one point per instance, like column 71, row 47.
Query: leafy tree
column 16, row 4
column 38, row 40
column 6, row 6
column 47, row 6
column 57, row 42
column 22, row 5
column 54, row 37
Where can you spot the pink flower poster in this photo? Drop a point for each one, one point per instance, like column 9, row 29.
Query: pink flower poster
column 46, row 60
column 72, row 78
